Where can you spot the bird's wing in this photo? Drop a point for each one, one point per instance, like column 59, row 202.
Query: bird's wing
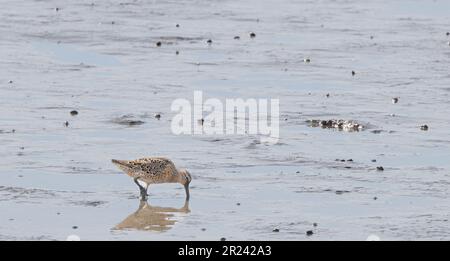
column 153, row 166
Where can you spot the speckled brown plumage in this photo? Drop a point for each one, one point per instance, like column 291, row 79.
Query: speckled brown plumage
column 154, row 170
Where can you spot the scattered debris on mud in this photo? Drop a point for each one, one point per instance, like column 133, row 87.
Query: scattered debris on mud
column 342, row 125
column 127, row 120
column 88, row 203
column 6, row 131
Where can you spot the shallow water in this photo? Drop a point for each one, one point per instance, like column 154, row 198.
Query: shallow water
column 100, row 58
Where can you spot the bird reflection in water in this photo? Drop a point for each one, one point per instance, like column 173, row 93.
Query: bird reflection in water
column 152, row 218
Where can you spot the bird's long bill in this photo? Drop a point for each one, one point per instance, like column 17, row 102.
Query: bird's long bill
column 186, row 187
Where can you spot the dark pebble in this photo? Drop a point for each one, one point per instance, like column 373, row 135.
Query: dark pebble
column 342, row 160
column 10, row 81
column 209, row 41
column 309, row 233
column 350, row 160
column 66, row 124
column 237, row 37
column 276, row 230
column 252, row 35
column 73, row 113
column 158, row 116
column 158, row 44
column 448, row 33
column 177, row 25
column 376, row 131
column 424, row 127
column 315, row 224
column 223, row 239
column 374, row 160
column 375, row 198
column 113, row 22
column 203, row 229
column 353, row 73
column 238, row 204
column 74, row 227
column 177, row 52
column 328, row 95
column 380, row 168
column 56, row 9
column 297, row 172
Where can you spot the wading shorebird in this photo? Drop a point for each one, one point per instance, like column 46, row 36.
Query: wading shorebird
column 154, row 170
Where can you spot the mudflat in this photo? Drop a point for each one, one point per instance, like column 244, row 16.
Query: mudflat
column 322, row 59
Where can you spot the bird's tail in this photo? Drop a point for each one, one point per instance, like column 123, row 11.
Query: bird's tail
column 122, row 164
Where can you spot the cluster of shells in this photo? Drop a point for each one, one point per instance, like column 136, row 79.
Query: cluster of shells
column 344, row 125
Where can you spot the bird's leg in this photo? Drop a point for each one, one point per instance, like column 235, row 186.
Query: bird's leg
column 145, row 191
column 142, row 189
column 143, row 194
column 186, row 188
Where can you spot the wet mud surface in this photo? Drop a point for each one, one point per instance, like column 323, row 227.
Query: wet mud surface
column 101, row 59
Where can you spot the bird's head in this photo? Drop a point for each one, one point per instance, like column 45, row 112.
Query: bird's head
column 184, row 177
